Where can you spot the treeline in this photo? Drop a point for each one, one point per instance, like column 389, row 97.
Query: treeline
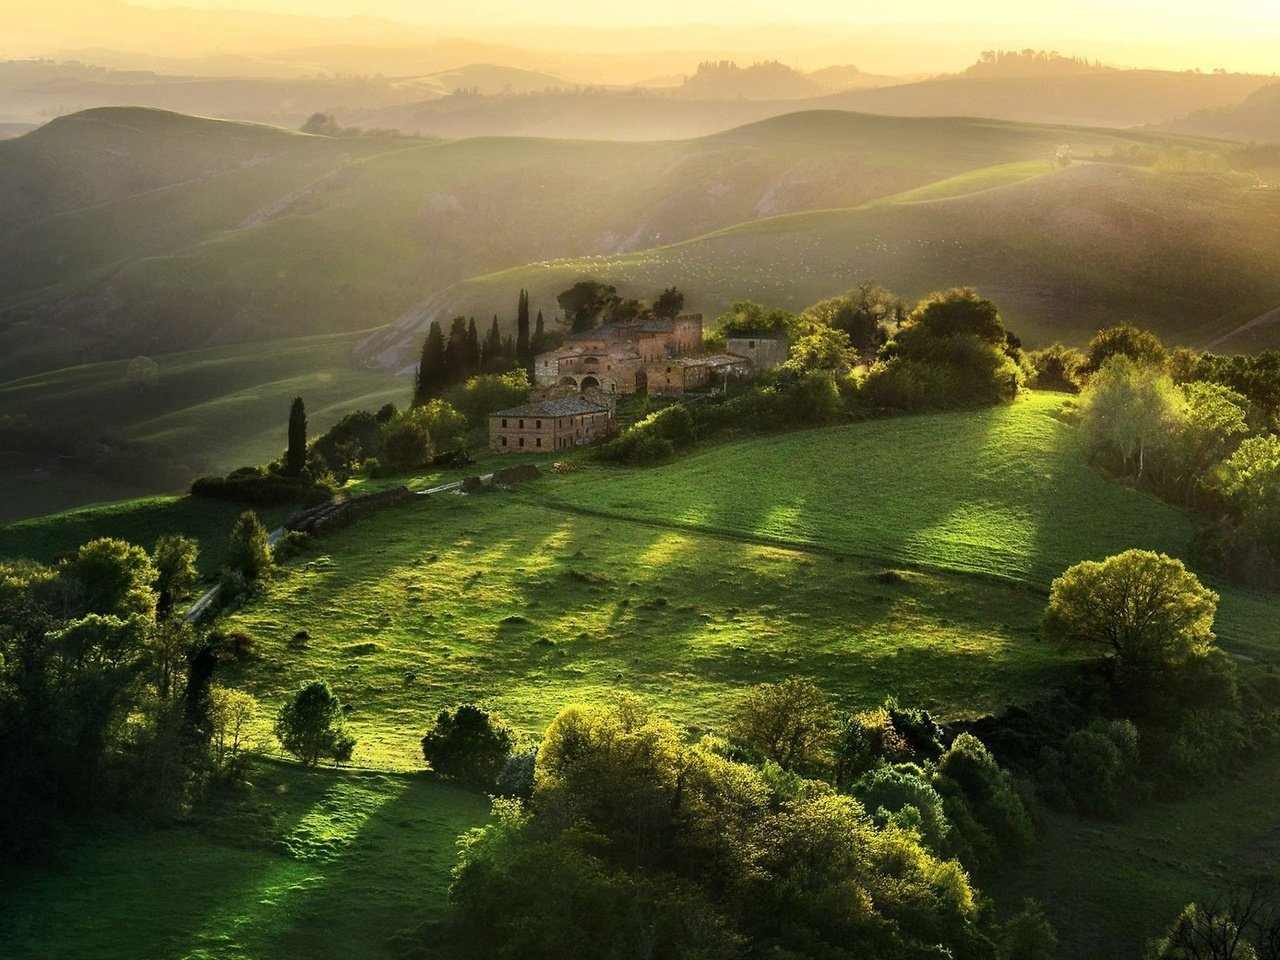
column 1030, row 62
column 107, row 694
column 805, row 831
column 1197, row 430
column 862, row 354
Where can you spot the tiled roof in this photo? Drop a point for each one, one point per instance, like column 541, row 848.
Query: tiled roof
column 715, row 360
column 570, row 406
column 755, row 335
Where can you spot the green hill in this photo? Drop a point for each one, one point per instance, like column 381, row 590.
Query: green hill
column 1064, row 252
column 138, row 231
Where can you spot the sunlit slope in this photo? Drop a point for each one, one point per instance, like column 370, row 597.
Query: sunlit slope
column 1063, row 253
column 138, row 231
column 211, row 410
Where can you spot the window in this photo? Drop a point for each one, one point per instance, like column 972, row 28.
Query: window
column 504, row 441
column 521, row 424
column 751, row 344
column 539, row 442
column 522, row 441
column 504, row 421
column 538, row 424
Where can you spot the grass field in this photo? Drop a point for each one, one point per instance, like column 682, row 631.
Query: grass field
column 304, row 863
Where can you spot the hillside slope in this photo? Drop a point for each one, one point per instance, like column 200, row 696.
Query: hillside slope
column 137, row 231
column 1064, row 253
column 1256, row 118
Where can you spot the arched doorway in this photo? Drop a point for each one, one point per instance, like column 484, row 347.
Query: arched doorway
column 642, row 382
column 590, row 382
column 568, row 382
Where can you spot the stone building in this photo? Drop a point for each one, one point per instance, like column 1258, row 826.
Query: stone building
column 548, row 425
column 766, row 349
column 637, row 356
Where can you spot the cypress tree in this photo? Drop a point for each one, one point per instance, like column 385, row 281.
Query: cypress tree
column 539, row 340
column 432, row 370
column 492, row 359
column 473, row 348
column 509, row 348
column 522, row 330
column 295, row 457
column 455, row 351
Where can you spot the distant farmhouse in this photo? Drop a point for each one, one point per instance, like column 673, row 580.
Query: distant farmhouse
column 548, row 425
column 578, row 381
column 659, row 357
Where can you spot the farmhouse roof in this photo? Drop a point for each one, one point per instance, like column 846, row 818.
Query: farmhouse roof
column 570, row 406
column 756, row 335
column 716, row 360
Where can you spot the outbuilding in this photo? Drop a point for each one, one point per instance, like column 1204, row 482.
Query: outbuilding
column 548, row 425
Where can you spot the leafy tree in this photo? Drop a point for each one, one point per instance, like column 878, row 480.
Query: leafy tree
column 747, row 315
column 1028, row 935
column 295, row 458
column 482, row 395
column 1130, row 413
column 142, row 374
column 1141, row 346
column 865, row 313
column 113, row 578
column 174, row 559
column 1056, row 367
column 903, row 795
column 791, row 723
column 231, row 713
column 249, row 547
column 669, row 304
column 826, row 348
column 310, row 726
column 322, row 125
column 406, row 441
column 1146, row 608
column 468, row 744
column 445, row 424
column 354, row 439
column 1250, row 482
column 585, row 301
column 982, row 801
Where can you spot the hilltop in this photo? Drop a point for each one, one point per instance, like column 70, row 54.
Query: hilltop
column 1256, row 118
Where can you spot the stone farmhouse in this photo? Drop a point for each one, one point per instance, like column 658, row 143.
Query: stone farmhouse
column 766, row 349
column 548, row 425
column 660, row 357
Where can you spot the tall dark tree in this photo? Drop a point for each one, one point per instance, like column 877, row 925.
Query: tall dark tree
column 669, row 304
column 585, row 301
column 473, row 348
column 523, row 356
column 539, row 340
column 455, row 351
column 432, row 370
column 296, row 456
column 492, row 350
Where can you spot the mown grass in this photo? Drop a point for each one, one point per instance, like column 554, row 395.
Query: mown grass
column 304, row 863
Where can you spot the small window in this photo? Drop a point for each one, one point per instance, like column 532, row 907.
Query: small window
column 539, row 442
column 504, row 441
column 538, row 424
column 521, row 424
column 504, row 421
column 522, row 441
column 751, row 344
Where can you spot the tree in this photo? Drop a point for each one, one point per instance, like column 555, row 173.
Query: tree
column 231, row 713
column 791, row 723
column 865, row 313
column 249, row 547
column 1241, row 924
column 1056, row 367
column 826, row 348
column 175, row 559
column 432, row 368
column 295, row 458
column 538, row 343
column 746, row 315
column 445, row 425
column 310, row 726
column 491, row 353
column 473, row 347
column 1146, row 608
column 1250, row 482
column 321, row 125
column 1140, row 346
column 468, row 744
column 142, row 374
column 456, row 352
column 406, row 441
column 1130, row 413
column 524, row 355
column 482, row 395
column 585, row 301
column 669, row 304
column 113, row 578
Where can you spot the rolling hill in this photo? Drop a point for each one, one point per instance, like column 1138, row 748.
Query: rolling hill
column 1063, row 252
column 216, row 232
column 1255, row 119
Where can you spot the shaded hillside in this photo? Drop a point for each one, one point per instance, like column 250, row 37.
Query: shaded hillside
column 1256, row 119
column 1063, row 253
column 137, row 231
column 1117, row 98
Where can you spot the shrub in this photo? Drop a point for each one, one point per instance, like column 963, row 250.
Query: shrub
column 866, row 740
column 902, row 795
column 406, row 444
column 467, row 744
column 249, row 550
column 790, row 723
column 516, row 777
column 982, row 801
column 1056, row 367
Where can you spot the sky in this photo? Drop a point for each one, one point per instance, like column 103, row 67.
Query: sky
column 1135, row 18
